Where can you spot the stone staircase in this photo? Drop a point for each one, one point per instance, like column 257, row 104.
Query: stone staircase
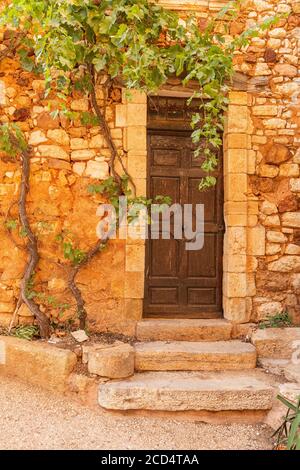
column 191, row 365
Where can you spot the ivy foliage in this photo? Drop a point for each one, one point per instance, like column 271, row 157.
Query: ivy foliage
column 9, row 145
column 138, row 43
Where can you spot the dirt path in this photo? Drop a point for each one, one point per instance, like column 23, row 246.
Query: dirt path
column 31, row 418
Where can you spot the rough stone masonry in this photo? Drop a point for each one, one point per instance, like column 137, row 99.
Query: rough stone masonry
column 261, row 179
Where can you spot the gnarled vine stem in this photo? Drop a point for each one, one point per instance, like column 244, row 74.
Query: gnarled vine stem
column 101, row 243
column 32, row 244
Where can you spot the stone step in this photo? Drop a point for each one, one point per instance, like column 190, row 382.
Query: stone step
column 183, row 391
column 184, row 355
column 183, row 330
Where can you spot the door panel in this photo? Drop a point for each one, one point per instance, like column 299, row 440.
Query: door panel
column 181, row 283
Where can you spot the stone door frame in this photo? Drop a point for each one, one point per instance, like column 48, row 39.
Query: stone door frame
column 243, row 239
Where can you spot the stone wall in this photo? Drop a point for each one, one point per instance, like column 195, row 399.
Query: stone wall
column 261, row 173
column 66, row 159
column 271, row 236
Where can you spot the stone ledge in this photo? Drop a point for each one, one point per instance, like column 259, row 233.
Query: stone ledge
column 36, row 363
column 183, row 391
column 194, row 356
column 276, row 343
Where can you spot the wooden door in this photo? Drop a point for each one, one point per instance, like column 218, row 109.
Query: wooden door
column 181, row 283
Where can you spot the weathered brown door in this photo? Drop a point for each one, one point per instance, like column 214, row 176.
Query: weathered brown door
column 181, row 283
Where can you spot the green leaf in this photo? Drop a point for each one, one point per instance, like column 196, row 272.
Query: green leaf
column 295, row 428
column 287, row 403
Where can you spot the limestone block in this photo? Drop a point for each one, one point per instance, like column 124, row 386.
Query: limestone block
column 134, row 285
column 234, row 263
column 237, row 121
column 243, row 330
column 53, row 151
column 79, row 384
column 289, row 169
column 296, row 282
column 36, row 138
column 268, row 208
column 277, row 343
column 274, row 43
column 236, row 187
column 262, row 69
column 6, row 295
column 5, row 320
column 236, row 141
column 182, row 391
column 292, row 249
column 37, row 362
column 2, row 93
column 286, row 264
column 7, row 307
column 261, row 5
column 237, row 309
column 121, row 115
column 79, row 168
column 113, row 361
column 271, row 221
column 134, row 309
column 80, row 105
column 117, row 133
column 141, row 186
column 288, row 204
column 268, row 171
column 235, row 242
column 296, row 6
column 296, row 158
column 274, row 123
column 135, row 258
column 295, row 185
column 78, row 155
column 99, row 170
column 57, row 284
column 256, row 241
column 183, row 330
column 238, row 97
column 136, row 139
column 292, row 372
column 268, row 309
column 275, row 417
column 277, row 154
column 188, row 355
column 235, row 161
column 235, row 208
column 59, row 135
column 288, row 89
column 79, row 144
column 24, row 311
column 286, row 70
column 291, row 219
column 251, row 162
column 236, row 220
column 273, row 249
column 46, row 121
column 136, row 114
column 270, row 110
column 235, row 285
column 137, row 165
column 97, row 141
column 278, row 33
column 38, row 85
column 135, row 96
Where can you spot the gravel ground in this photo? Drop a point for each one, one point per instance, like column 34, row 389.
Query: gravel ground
column 31, row 418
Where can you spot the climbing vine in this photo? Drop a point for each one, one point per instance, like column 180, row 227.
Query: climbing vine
column 86, row 44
